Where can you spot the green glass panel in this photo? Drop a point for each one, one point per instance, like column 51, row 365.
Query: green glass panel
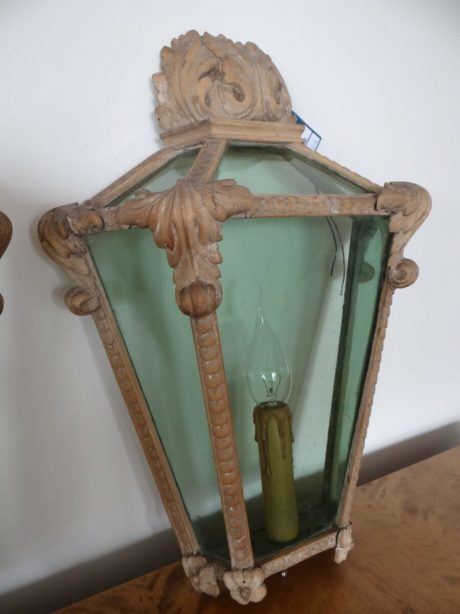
column 291, row 259
column 138, row 282
column 321, row 279
column 164, row 177
column 369, row 245
column 277, row 170
column 306, row 267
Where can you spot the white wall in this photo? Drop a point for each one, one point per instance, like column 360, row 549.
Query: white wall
column 379, row 80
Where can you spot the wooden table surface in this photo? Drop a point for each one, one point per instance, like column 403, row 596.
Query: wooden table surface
column 406, row 559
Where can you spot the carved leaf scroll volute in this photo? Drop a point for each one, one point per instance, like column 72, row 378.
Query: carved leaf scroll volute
column 186, row 222
column 408, row 205
column 69, row 251
column 211, row 77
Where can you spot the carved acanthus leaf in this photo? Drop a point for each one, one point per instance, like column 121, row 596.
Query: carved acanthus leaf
column 186, row 222
column 201, row 574
column 211, row 77
column 70, row 252
column 246, row 585
column 409, row 205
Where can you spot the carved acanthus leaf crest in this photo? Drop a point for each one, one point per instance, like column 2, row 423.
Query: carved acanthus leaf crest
column 186, row 222
column 211, row 77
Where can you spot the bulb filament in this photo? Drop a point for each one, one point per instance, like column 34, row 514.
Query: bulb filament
column 272, row 381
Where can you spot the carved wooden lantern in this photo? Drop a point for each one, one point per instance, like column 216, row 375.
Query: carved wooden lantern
column 241, row 207
column 6, row 230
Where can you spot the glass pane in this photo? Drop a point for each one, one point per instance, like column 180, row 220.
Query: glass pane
column 277, row 170
column 369, row 242
column 138, row 283
column 306, row 267
column 321, row 279
column 166, row 176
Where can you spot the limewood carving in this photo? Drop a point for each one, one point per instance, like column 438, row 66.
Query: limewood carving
column 211, row 77
column 62, row 231
column 185, row 221
column 344, row 544
column 299, row 552
column 242, row 97
column 69, row 251
column 6, row 230
column 246, row 585
column 408, row 206
column 202, row 575
column 214, row 385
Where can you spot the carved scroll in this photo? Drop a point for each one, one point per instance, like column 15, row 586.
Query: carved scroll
column 409, row 205
column 6, row 230
column 70, row 252
column 211, row 77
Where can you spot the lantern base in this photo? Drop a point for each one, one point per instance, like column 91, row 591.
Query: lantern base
column 248, row 585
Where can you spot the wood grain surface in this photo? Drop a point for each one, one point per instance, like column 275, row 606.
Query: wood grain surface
column 406, row 559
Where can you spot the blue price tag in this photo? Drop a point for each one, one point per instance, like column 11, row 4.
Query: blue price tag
column 311, row 137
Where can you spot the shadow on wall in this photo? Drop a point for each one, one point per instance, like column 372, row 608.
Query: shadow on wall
column 92, row 577
column 409, row 452
column 89, row 578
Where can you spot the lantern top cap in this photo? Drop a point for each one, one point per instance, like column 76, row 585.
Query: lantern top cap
column 211, row 78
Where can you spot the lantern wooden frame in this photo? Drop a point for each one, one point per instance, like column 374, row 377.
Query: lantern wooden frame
column 198, row 292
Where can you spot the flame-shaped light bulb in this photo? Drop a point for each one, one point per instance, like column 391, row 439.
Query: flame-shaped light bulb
column 269, row 375
column 269, row 380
